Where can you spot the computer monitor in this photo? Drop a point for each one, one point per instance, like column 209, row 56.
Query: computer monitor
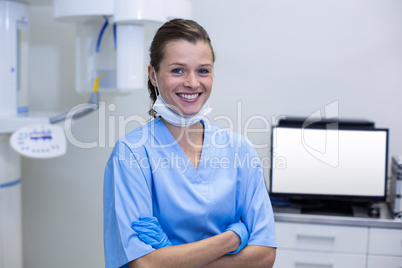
column 329, row 163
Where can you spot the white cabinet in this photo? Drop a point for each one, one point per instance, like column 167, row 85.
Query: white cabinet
column 385, row 242
column 326, row 238
column 385, row 247
column 309, row 259
column 383, row 261
column 305, row 245
column 320, row 246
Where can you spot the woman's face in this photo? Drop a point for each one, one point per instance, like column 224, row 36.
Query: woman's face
column 185, row 75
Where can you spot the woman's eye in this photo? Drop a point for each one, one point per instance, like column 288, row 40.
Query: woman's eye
column 203, row 71
column 177, row 71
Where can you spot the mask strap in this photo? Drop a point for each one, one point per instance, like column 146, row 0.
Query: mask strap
column 157, row 86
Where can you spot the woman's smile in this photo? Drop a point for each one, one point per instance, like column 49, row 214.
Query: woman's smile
column 189, row 97
column 185, row 76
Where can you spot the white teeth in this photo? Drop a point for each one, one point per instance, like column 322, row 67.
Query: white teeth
column 188, row 96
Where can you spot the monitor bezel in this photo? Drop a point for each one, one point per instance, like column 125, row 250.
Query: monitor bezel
column 327, row 197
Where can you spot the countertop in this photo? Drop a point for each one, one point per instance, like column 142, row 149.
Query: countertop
column 360, row 217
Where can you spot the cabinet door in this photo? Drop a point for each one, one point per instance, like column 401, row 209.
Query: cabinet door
column 326, row 238
column 383, row 261
column 385, row 242
column 307, row 259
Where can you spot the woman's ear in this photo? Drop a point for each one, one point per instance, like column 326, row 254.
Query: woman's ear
column 151, row 75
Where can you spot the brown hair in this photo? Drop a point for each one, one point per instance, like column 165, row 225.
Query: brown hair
column 176, row 29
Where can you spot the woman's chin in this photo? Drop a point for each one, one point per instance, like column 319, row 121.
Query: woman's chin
column 189, row 112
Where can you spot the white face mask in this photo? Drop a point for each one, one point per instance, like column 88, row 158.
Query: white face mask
column 174, row 117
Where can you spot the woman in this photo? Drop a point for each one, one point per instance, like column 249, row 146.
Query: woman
column 178, row 191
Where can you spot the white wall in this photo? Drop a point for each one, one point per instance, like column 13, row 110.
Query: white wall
column 273, row 57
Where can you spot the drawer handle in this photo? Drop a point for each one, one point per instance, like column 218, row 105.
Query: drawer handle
column 312, row 265
column 315, row 237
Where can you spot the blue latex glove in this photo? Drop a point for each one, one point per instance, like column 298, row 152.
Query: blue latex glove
column 150, row 231
column 241, row 230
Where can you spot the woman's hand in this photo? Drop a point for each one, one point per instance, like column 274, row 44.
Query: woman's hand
column 209, row 252
column 241, row 230
column 150, row 231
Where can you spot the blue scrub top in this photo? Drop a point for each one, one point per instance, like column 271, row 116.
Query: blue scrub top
column 149, row 174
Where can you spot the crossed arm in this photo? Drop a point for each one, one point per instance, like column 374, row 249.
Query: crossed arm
column 210, row 252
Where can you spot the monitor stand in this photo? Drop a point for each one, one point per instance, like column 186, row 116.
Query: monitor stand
column 328, row 209
column 333, row 208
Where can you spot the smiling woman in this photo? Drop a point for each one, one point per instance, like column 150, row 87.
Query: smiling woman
column 185, row 76
column 173, row 36
column 173, row 195
column 187, row 83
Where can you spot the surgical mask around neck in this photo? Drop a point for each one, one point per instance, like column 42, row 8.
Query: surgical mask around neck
column 174, row 117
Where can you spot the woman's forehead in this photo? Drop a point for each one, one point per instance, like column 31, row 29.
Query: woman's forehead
column 182, row 50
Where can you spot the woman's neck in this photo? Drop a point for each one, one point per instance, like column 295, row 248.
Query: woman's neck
column 191, row 135
column 190, row 139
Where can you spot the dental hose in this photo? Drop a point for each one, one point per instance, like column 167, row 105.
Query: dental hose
column 83, row 109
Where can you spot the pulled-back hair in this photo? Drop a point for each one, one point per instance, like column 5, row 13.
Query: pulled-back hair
column 174, row 30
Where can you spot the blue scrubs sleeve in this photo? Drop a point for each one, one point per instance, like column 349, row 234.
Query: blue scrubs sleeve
column 257, row 212
column 127, row 195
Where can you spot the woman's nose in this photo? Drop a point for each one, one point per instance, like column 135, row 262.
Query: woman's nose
column 192, row 81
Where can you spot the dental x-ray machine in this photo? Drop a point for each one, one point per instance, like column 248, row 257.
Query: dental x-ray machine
column 21, row 133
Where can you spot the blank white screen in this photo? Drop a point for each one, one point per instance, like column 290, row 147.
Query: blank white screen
column 329, row 162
